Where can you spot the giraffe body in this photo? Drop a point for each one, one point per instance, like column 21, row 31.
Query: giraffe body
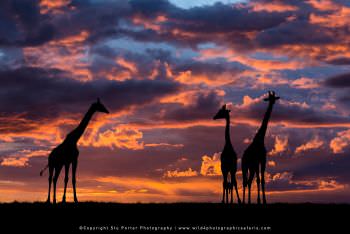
column 67, row 153
column 254, row 157
column 228, row 160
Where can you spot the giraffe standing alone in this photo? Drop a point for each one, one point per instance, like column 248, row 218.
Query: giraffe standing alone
column 67, row 153
column 228, row 158
column 255, row 155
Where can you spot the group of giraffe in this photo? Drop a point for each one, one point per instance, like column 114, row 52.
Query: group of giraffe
column 253, row 161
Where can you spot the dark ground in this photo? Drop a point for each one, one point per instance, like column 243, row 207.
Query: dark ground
column 111, row 217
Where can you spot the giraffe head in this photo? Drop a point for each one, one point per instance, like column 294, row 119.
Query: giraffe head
column 223, row 113
column 272, row 97
column 98, row 106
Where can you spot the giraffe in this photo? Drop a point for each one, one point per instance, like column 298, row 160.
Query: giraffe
column 228, row 158
column 255, row 155
column 67, row 153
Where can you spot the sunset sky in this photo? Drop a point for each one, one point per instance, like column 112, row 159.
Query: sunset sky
column 163, row 69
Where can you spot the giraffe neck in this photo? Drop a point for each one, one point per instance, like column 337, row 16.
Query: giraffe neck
column 79, row 130
column 260, row 135
column 227, row 131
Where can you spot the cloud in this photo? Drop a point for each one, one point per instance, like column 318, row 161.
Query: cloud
column 271, row 163
column 211, row 166
column 166, row 145
column 70, row 96
column 123, row 137
column 203, row 105
column 339, row 81
column 289, row 113
column 339, row 143
column 23, row 25
column 213, row 74
column 14, row 162
column 272, row 6
column 314, row 143
column 69, row 54
column 187, row 173
column 281, row 144
column 21, row 159
column 305, row 83
column 54, row 7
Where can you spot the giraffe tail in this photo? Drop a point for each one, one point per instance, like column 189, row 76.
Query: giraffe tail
column 43, row 170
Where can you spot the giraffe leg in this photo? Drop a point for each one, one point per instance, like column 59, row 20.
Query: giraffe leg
column 258, row 183
column 244, row 186
column 224, row 186
column 231, row 193
column 263, row 182
column 244, row 175
column 55, row 178
column 74, row 170
column 234, row 181
column 50, row 181
column 230, row 186
column 227, row 191
column 250, row 180
column 66, row 171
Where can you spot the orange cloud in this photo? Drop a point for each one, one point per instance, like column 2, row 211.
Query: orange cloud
column 338, row 18
column 273, row 7
column 340, row 142
column 73, row 59
column 281, row 144
column 324, row 5
column 21, row 158
column 259, row 64
column 14, row 162
column 187, row 173
column 211, row 166
column 53, row 6
column 189, row 97
column 271, row 163
column 314, row 143
column 123, row 137
column 187, row 77
column 150, row 24
column 282, row 176
column 181, row 189
column 127, row 64
column 305, row 83
column 164, row 145
column 162, row 190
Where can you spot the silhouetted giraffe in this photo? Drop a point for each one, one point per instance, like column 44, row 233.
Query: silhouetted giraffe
column 228, row 158
column 67, row 153
column 255, row 155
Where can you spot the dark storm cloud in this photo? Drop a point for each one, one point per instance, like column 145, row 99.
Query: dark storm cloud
column 341, row 84
column 101, row 20
column 210, row 69
column 294, row 114
column 339, row 61
column 21, row 24
column 299, row 32
column 338, row 81
column 46, row 92
column 209, row 19
column 204, row 107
